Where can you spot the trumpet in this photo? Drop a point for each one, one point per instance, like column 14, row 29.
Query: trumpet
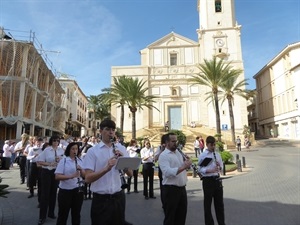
column 124, row 185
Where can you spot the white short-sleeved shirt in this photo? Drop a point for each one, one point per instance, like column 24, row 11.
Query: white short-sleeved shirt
column 67, row 166
column 96, row 159
column 8, row 150
column 147, row 152
column 132, row 151
column 169, row 163
column 208, row 154
column 48, row 155
column 32, row 151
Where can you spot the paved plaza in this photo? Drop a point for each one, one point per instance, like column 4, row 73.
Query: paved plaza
column 266, row 192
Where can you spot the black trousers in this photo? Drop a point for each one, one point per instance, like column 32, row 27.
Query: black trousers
column 135, row 180
column 32, row 176
column 197, row 151
column 213, row 190
column 175, row 205
column 69, row 200
column 22, row 166
column 48, row 193
column 160, row 176
column 108, row 209
column 148, row 174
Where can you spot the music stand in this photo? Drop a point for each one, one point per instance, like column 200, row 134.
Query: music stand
column 128, row 163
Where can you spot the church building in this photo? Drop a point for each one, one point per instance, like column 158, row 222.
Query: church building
column 169, row 62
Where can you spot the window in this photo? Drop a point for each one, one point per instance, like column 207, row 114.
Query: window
column 173, row 59
column 218, row 6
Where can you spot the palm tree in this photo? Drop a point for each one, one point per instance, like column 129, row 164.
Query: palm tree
column 212, row 74
column 117, row 96
column 230, row 87
column 93, row 104
column 134, row 95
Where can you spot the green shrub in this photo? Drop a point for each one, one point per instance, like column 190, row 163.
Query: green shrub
column 180, row 137
column 227, row 157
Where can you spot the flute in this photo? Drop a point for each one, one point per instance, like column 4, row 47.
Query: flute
column 121, row 172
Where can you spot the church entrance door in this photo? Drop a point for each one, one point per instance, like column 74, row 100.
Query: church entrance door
column 175, row 117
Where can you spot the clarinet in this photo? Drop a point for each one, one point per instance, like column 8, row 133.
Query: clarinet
column 124, row 185
column 79, row 182
column 217, row 164
column 193, row 166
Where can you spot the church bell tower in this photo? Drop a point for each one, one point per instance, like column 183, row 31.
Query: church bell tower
column 219, row 33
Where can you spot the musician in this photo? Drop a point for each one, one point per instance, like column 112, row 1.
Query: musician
column 70, row 174
column 20, row 150
column 49, row 159
column 173, row 165
column 33, row 153
column 133, row 150
column 211, row 183
column 108, row 203
column 147, row 155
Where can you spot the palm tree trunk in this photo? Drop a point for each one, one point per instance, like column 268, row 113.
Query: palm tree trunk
column 231, row 116
column 122, row 119
column 218, row 121
column 133, row 126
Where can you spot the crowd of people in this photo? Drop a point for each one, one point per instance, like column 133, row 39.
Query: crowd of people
column 70, row 171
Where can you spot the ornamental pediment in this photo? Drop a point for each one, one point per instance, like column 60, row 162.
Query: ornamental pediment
column 173, row 40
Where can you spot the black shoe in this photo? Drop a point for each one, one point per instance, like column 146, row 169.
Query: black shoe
column 52, row 216
column 136, row 191
column 128, row 192
column 22, row 182
column 30, row 196
column 127, row 223
column 41, row 221
column 146, row 198
column 153, row 197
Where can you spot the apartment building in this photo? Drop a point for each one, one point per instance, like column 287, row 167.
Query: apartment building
column 278, row 94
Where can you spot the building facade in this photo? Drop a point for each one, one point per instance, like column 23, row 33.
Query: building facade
column 30, row 95
column 278, row 89
column 168, row 63
column 75, row 102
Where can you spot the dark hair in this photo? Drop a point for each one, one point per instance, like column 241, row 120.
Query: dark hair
column 168, row 136
column 40, row 139
column 68, row 149
column 107, row 123
column 163, row 139
column 210, row 140
column 54, row 137
column 45, row 145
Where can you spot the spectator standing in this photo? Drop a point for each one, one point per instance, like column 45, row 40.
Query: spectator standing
column 202, row 145
column 197, row 146
column 147, row 155
column 238, row 142
column 173, row 166
column 8, row 149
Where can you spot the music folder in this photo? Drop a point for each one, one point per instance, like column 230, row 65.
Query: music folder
column 128, row 163
column 205, row 162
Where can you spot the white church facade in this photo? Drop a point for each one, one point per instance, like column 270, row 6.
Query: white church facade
column 168, row 63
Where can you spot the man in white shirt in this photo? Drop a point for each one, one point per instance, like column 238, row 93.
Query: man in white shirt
column 173, row 165
column 108, row 203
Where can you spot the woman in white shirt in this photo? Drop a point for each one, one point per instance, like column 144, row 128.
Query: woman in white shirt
column 133, row 151
column 49, row 159
column 70, row 195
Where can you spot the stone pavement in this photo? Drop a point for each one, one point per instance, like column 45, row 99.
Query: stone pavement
column 266, row 192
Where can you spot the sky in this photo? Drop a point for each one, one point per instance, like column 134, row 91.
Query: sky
column 85, row 38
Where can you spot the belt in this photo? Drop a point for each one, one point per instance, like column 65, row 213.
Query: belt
column 116, row 195
column 211, row 178
column 173, row 186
